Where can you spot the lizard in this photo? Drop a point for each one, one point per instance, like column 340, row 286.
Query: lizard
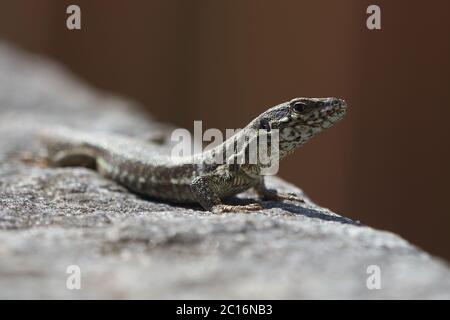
column 143, row 168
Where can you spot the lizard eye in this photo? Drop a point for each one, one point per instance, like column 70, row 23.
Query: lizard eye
column 299, row 106
column 264, row 124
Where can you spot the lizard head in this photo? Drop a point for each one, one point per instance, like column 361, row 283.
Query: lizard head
column 300, row 119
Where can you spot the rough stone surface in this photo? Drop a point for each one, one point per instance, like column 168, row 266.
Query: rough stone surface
column 128, row 247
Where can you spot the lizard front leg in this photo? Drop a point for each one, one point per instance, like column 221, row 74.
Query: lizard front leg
column 270, row 194
column 203, row 189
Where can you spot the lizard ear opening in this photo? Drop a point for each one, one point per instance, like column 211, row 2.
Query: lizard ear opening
column 264, row 124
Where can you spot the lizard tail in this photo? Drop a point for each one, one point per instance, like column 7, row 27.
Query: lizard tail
column 66, row 147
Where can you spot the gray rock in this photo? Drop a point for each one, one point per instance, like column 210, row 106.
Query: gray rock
column 128, row 247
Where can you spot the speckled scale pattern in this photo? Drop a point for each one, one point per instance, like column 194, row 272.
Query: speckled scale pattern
column 148, row 169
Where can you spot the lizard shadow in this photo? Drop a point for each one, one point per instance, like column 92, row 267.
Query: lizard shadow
column 297, row 209
column 294, row 209
column 291, row 208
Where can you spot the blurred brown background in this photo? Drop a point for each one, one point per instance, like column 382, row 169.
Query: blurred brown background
column 223, row 62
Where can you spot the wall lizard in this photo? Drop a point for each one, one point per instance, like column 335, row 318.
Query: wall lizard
column 144, row 169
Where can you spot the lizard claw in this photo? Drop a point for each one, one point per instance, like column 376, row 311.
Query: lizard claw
column 223, row 208
column 292, row 197
column 283, row 196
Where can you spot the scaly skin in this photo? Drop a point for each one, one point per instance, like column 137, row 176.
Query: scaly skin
column 146, row 168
